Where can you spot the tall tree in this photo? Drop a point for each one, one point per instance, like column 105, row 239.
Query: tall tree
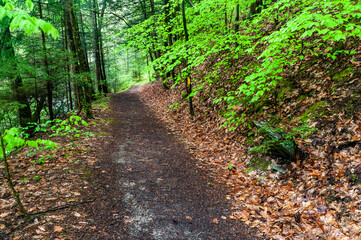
column 8, row 57
column 96, row 49
column 188, row 81
column 84, row 85
column 49, row 84
column 102, row 58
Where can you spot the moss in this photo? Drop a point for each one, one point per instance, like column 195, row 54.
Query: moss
column 259, row 164
column 102, row 134
column 275, row 119
column 342, row 75
column 250, row 140
column 301, row 98
column 281, row 94
column 259, row 106
column 315, row 110
column 111, row 121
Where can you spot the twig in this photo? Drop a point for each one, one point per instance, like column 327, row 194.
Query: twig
column 61, row 207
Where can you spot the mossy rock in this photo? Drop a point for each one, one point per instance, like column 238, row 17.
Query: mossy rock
column 315, row 110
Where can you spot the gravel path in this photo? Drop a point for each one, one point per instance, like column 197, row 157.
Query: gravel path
column 162, row 193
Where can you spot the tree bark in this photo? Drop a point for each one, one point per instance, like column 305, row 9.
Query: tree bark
column 10, row 182
column 256, row 7
column 8, row 55
column 96, row 48
column 236, row 25
column 74, row 40
column 188, row 81
column 49, row 84
column 102, row 58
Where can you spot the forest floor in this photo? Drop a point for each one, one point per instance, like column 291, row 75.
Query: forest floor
column 134, row 179
column 315, row 198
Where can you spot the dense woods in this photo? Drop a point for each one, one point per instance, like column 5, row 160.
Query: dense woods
column 278, row 80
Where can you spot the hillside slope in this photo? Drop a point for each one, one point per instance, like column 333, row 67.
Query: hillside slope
column 276, row 97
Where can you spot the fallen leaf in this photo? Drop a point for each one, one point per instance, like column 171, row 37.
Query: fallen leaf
column 128, row 220
column 76, row 214
column 58, row 229
column 215, row 220
column 42, row 228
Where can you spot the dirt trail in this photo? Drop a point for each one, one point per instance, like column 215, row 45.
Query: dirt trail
column 162, row 194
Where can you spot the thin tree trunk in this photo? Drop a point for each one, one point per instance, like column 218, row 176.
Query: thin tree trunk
column 188, row 81
column 10, row 182
column 96, row 47
column 102, row 61
column 236, row 25
column 49, row 84
column 127, row 61
column 82, row 39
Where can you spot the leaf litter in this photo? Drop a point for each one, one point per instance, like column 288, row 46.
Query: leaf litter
column 53, row 189
column 317, row 198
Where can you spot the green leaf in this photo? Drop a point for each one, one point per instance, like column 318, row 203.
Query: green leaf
column 84, row 123
column 29, row 4
column 2, row 12
column 278, row 169
column 33, row 144
column 9, row 6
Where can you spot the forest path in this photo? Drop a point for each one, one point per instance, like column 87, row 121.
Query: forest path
column 164, row 195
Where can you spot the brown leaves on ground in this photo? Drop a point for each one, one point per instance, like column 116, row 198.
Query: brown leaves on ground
column 57, row 183
column 318, row 198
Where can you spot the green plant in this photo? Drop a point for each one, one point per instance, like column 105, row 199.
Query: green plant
column 37, row 178
column 11, row 140
column 278, row 140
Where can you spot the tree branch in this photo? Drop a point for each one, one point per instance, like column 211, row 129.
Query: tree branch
column 121, row 18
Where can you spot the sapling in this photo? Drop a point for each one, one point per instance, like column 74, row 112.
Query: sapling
column 11, row 141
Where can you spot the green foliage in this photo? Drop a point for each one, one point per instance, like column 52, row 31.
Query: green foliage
column 278, row 140
column 69, row 127
column 20, row 19
column 299, row 30
column 13, row 140
column 37, row 178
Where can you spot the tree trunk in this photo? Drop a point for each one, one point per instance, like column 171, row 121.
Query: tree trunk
column 188, row 81
column 256, row 7
column 236, row 25
column 10, row 182
column 102, row 64
column 8, row 55
column 74, row 40
column 96, row 48
column 49, row 84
